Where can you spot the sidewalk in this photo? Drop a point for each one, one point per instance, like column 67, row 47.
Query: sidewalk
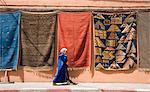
column 81, row 87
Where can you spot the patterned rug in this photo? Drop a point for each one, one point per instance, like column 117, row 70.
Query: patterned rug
column 115, row 41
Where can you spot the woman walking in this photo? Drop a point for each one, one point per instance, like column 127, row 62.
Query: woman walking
column 62, row 75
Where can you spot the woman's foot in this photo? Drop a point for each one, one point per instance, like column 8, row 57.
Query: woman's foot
column 71, row 82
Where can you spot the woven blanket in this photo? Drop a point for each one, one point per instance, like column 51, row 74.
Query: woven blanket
column 9, row 39
column 74, row 33
column 38, row 38
column 115, row 41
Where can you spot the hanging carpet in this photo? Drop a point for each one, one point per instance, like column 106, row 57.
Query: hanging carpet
column 38, row 38
column 9, row 39
column 118, row 46
column 143, row 28
column 74, row 33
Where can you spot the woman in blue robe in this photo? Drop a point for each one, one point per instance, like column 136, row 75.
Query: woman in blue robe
column 62, row 75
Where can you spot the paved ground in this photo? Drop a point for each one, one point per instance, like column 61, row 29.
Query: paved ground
column 81, row 87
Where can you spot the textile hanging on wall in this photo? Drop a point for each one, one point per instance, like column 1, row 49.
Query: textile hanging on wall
column 143, row 28
column 38, row 38
column 115, row 41
column 74, row 33
column 9, row 39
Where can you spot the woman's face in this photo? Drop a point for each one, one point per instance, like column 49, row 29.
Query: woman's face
column 65, row 52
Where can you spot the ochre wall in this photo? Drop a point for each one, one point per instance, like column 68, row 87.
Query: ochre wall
column 33, row 75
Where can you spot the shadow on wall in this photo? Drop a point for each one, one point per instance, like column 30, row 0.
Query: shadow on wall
column 22, row 73
column 39, row 72
column 18, row 73
column 76, row 73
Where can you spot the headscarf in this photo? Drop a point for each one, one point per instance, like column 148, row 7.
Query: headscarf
column 63, row 50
